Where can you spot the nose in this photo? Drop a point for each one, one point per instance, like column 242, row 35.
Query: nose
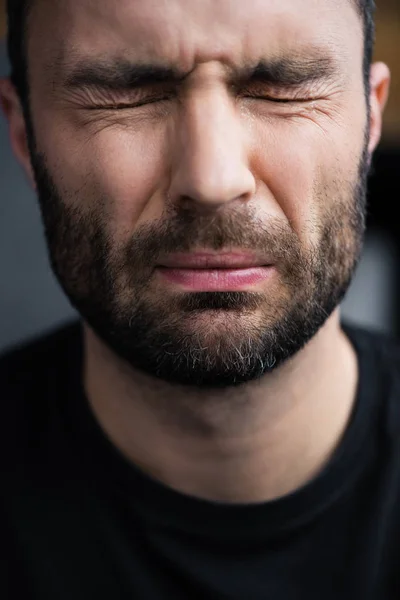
column 210, row 166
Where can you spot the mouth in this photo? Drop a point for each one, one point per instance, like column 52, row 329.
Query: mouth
column 209, row 261
column 215, row 280
column 224, row 271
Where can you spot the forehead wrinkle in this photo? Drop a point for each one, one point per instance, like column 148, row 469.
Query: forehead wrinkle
column 307, row 63
column 184, row 54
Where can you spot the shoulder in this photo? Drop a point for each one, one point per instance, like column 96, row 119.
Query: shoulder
column 43, row 356
column 379, row 361
column 34, row 382
column 35, row 373
column 33, row 378
column 381, row 348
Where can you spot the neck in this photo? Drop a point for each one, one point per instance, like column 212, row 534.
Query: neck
column 254, row 443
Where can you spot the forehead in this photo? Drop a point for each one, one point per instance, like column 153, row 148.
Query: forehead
column 186, row 32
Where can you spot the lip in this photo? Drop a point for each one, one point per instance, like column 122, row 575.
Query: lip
column 215, row 280
column 222, row 260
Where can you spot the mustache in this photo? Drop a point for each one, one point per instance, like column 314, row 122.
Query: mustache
column 235, row 228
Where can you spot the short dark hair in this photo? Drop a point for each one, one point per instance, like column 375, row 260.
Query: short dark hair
column 18, row 12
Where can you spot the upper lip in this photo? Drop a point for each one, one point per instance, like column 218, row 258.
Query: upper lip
column 222, row 260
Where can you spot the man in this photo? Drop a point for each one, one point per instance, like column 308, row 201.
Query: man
column 210, row 429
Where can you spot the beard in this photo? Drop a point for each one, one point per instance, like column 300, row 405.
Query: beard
column 205, row 339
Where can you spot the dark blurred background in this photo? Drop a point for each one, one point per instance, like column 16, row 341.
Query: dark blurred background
column 31, row 301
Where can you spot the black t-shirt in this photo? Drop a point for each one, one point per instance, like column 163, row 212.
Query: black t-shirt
column 78, row 521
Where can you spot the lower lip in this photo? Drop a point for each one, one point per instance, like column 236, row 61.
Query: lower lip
column 215, row 279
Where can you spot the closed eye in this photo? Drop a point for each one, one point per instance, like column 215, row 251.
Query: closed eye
column 280, row 100
column 129, row 105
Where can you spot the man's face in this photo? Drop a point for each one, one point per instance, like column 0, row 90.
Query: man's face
column 258, row 142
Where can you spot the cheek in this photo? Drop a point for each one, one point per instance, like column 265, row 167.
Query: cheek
column 304, row 167
column 115, row 169
column 130, row 170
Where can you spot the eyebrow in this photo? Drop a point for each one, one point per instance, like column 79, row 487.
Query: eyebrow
column 121, row 75
column 294, row 71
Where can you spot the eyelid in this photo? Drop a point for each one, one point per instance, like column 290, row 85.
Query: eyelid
column 279, row 89
column 127, row 105
column 115, row 95
column 126, row 98
column 304, row 92
column 107, row 99
column 281, row 100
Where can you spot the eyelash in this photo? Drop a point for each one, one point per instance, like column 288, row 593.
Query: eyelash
column 164, row 99
column 126, row 106
column 280, row 100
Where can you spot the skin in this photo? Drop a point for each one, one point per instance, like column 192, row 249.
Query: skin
column 217, row 166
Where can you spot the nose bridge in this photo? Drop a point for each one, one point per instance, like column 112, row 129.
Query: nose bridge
column 211, row 162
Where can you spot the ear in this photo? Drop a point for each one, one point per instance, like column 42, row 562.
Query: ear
column 12, row 108
column 379, row 92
